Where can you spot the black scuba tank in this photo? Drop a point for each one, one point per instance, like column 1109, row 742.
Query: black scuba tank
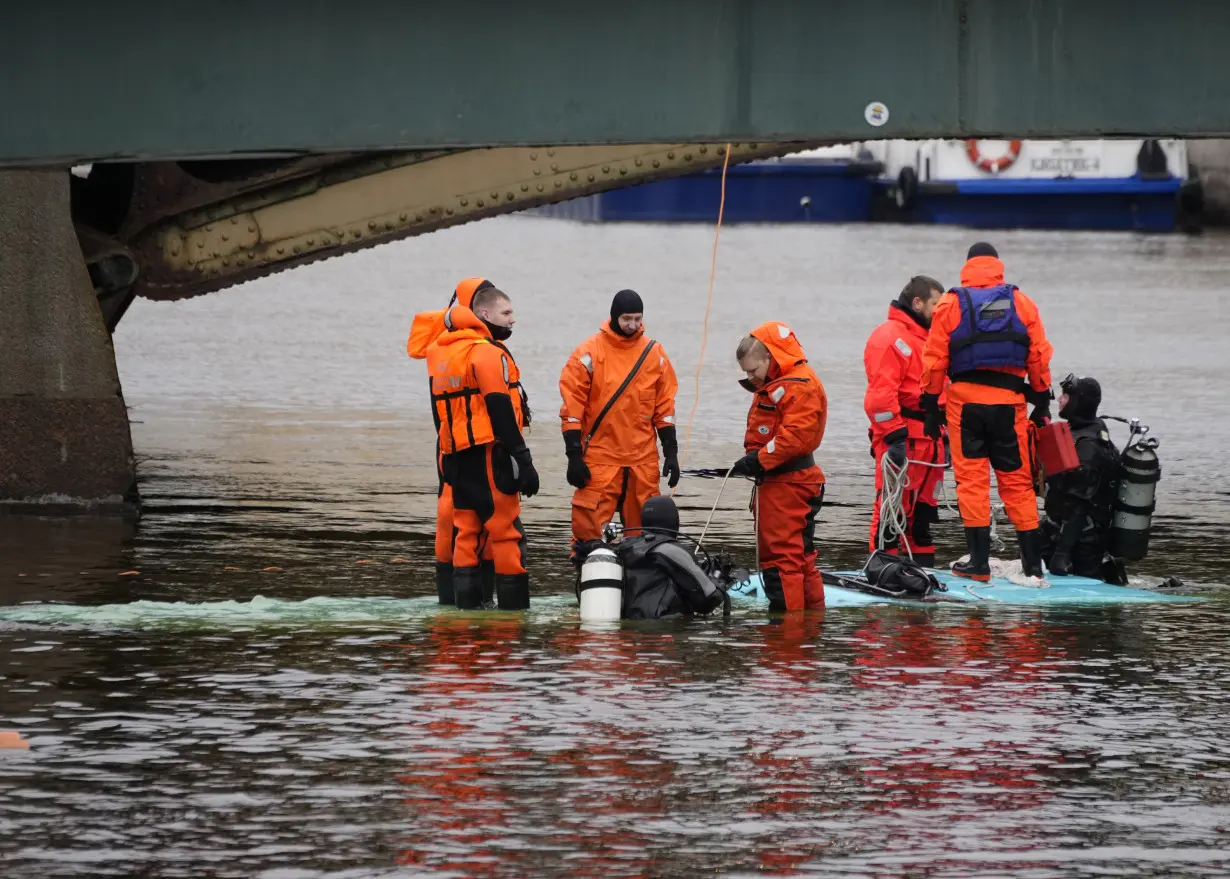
column 1139, row 472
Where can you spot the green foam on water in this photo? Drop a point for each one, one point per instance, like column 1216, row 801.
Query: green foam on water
column 259, row 611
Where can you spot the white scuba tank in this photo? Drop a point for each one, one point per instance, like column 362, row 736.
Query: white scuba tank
column 1139, row 472
column 602, row 585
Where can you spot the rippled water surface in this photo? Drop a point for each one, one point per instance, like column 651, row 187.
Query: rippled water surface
column 255, row 681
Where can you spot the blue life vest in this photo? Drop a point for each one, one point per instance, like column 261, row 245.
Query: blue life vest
column 990, row 333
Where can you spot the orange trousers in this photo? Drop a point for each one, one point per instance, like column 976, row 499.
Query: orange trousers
column 446, row 531
column 613, row 488
column 485, row 502
column 786, row 539
column 989, row 430
column 923, row 484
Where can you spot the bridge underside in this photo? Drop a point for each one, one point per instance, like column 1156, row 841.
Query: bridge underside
column 314, row 129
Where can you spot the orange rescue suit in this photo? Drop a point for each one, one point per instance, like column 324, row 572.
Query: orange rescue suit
column 893, row 362
column 467, row 367
column 988, row 424
column 425, row 328
column 621, row 451
column 785, row 425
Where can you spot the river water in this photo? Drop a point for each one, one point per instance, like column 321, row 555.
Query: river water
column 255, row 681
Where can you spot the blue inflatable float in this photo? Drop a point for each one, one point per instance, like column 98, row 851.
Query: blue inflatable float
column 1001, row 590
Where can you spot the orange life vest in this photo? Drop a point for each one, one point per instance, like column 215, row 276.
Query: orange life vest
column 465, row 364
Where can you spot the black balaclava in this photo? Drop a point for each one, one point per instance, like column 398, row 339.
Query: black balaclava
column 1084, row 398
column 500, row 334
column 625, row 302
column 660, row 515
column 981, row 248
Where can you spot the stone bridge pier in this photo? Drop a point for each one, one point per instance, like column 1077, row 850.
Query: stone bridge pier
column 64, row 436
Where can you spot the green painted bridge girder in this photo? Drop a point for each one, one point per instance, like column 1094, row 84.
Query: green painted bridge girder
column 147, row 79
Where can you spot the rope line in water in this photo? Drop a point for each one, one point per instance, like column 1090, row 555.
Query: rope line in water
column 713, row 509
column 704, row 331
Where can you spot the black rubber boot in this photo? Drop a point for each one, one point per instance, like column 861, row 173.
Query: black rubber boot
column 1030, row 543
column 926, row 559
column 512, row 591
column 444, row 583
column 468, row 588
column 979, row 565
column 771, row 581
column 487, row 570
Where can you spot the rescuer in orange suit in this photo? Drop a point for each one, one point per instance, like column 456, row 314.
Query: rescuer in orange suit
column 893, row 362
column 475, row 391
column 425, row 329
column 785, row 425
column 618, row 388
column 987, row 337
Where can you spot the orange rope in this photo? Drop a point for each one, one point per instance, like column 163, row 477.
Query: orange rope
column 704, row 332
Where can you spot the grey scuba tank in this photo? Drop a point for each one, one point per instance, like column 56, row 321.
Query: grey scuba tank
column 1139, row 472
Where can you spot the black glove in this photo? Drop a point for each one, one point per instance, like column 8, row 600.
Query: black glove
column 670, row 451
column 748, row 465
column 932, row 417
column 1060, row 563
column 1041, row 401
column 527, row 476
column 578, row 472
column 896, row 446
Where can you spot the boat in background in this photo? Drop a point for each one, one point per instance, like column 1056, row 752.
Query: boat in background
column 828, row 185
column 1142, row 185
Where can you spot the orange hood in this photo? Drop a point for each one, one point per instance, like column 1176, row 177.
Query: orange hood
column 783, row 347
column 982, row 271
column 428, row 325
column 461, row 323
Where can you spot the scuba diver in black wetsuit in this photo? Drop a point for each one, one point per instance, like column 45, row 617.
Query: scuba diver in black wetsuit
column 661, row 578
column 1080, row 503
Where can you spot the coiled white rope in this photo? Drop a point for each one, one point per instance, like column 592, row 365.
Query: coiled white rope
column 894, row 519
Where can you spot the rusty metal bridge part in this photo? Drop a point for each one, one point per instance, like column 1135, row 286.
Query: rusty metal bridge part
column 186, row 229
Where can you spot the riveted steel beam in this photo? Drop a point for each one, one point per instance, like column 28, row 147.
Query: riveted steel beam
column 326, row 212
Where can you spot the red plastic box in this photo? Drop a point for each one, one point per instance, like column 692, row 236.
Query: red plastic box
column 1056, row 449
